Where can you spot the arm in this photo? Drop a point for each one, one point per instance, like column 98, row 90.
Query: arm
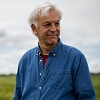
column 17, row 92
column 82, row 81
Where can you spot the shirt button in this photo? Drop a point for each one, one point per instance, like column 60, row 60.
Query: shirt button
column 54, row 54
column 40, row 73
column 37, row 54
column 40, row 60
column 40, row 88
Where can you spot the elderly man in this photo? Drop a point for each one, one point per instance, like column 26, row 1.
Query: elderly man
column 52, row 70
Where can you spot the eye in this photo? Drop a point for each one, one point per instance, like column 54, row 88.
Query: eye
column 57, row 23
column 46, row 24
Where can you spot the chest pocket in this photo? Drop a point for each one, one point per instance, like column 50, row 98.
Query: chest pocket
column 60, row 79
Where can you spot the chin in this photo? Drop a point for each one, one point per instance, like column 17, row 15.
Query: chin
column 53, row 42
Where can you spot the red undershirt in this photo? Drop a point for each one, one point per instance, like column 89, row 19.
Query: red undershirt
column 44, row 57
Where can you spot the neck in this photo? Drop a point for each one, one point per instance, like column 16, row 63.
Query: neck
column 45, row 49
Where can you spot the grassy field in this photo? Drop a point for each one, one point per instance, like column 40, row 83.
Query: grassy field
column 7, row 86
column 96, row 83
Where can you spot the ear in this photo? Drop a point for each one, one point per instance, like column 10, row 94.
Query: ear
column 34, row 29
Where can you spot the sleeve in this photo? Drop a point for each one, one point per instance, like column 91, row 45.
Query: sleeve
column 83, row 86
column 17, row 91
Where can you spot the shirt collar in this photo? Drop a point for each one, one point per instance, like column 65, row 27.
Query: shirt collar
column 52, row 52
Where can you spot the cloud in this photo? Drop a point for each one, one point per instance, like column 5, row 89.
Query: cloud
column 94, row 66
column 80, row 27
column 12, row 47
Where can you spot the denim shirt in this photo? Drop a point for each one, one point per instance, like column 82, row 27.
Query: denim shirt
column 65, row 75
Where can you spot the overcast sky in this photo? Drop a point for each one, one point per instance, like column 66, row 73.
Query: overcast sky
column 80, row 27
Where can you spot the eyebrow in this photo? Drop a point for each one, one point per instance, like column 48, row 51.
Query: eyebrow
column 51, row 22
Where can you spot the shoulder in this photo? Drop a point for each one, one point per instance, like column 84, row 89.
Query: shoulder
column 29, row 54
column 73, row 53
column 71, row 50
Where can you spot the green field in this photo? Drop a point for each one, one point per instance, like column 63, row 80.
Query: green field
column 96, row 83
column 7, row 86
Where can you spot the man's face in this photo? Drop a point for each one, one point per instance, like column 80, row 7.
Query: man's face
column 48, row 29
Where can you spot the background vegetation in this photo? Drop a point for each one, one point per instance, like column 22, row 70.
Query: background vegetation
column 96, row 83
column 7, row 86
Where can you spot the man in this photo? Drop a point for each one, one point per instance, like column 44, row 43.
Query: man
column 52, row 70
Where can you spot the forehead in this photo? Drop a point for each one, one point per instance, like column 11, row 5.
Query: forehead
column 52, row 17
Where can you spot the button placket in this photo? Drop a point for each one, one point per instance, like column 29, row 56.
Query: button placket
column 40, row 77
column 42, row 74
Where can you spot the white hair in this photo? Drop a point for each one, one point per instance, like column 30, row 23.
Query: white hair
column 42, row 10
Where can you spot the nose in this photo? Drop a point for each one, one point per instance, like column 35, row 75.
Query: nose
column 53, row 27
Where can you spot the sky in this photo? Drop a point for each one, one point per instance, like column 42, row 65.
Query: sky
column 80, row 27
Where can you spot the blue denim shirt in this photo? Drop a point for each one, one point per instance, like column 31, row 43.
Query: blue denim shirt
column 65, row 76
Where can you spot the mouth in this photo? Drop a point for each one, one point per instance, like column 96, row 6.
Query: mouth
column 52, row 36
